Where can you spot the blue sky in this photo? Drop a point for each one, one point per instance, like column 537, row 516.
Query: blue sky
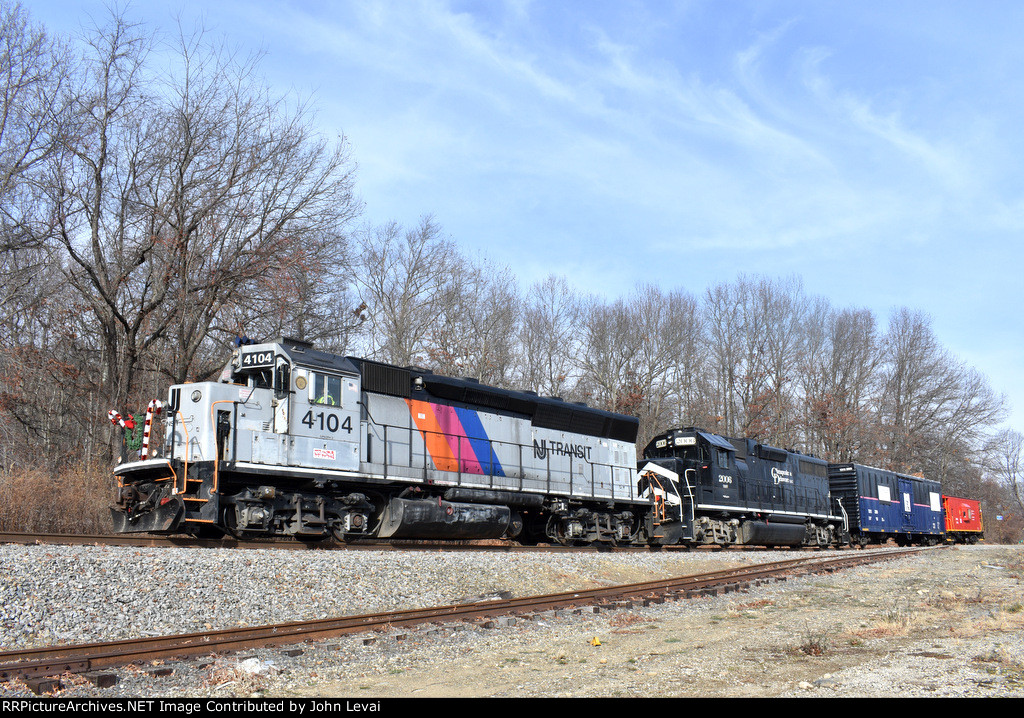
column 872, row 148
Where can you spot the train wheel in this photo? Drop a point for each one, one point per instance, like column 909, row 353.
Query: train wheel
column 229, row 523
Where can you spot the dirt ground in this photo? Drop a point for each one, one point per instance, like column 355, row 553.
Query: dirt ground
column 946, row 623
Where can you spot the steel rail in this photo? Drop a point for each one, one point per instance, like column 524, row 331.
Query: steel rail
column 289, row 544
column 82, row 658
column 184, row 541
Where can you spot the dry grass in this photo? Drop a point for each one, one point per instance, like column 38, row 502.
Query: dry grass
column 969, row 613
column 814, row 642
column 236, row 680
column 74, row 501
column 996, row 621
column 900, row 619
column 630, row 623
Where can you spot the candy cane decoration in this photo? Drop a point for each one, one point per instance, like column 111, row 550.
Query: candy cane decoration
column 116, row 418
column 155, row 407
column 126, row 424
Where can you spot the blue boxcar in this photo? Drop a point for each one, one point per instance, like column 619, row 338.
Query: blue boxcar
column 880, row 505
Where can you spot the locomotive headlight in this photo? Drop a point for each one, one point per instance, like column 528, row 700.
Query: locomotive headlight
column 196, row 396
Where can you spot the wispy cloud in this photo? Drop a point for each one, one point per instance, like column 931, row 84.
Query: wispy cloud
column 614, row 140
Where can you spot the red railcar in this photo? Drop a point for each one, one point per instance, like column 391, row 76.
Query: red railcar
column 963, row 520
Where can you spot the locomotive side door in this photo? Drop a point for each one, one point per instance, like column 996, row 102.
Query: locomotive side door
column 723, row 475
column 324, row 421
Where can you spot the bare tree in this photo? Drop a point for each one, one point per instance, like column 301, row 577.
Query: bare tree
column 549, row 337
column 1006, row 461
column 474, row 334
column 34, row 71
column 174, row 199
column 607, row 360
column 248, row 201
column 97, row 239
column 780, row 309
column 839, row 374
column 38, row 369
column 738, row 319
column 726, row 326
column 932, row 406
column 401, row 278
column 664, row 366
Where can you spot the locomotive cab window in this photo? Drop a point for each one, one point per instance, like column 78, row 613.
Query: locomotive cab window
column 325, row 389
column 690, row 453
column 721, row 458
column 261, row 379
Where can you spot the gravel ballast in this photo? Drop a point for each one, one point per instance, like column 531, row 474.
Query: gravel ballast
column 946, row 623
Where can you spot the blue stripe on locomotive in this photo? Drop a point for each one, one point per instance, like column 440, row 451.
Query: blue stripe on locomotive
column 486, row 456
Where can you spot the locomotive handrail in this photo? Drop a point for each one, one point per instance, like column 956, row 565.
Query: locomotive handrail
column 689, row 492
column 387, row 459
column 184, row 480
column 842, row 512
column 217, row 458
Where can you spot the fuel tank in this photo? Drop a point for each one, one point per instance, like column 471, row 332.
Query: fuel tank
column 440, row 519
column 762, row 533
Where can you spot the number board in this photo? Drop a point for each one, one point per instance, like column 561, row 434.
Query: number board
column 258, row 360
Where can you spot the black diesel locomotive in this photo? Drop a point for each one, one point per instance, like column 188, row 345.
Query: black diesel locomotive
column 292, row 441
column 710, row 490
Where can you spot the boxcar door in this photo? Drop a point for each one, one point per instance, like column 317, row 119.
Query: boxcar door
column 907, row 501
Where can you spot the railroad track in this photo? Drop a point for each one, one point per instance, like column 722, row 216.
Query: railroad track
column 147, row 540
column 183, row 541
column 285, row 544
column 41, row 663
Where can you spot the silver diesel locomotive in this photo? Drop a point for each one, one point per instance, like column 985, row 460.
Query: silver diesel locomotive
column 292, row 441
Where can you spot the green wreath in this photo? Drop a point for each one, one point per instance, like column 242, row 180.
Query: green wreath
column 133, row 437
